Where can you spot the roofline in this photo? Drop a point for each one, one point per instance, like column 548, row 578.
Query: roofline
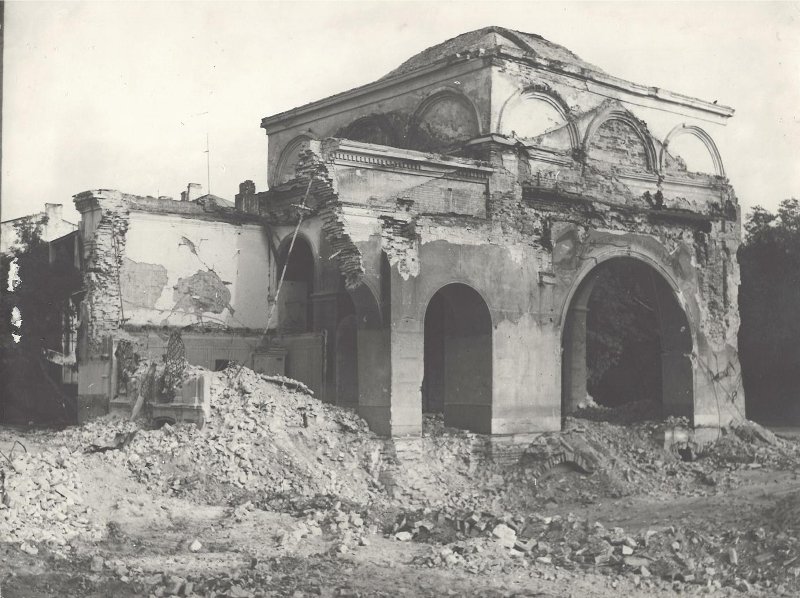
column 34, row 215
column 269, row 123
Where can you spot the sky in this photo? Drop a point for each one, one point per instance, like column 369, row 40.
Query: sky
column 124, row 95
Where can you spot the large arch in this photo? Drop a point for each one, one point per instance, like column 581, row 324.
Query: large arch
column 458, row 358
column 674, row 330
column 702, row 136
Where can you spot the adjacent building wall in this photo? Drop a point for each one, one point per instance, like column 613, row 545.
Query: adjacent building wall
column 153, row 265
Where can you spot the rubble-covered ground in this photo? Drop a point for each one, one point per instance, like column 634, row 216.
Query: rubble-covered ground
column 282, row 495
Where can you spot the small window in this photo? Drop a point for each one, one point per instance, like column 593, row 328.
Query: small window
column 221, row 364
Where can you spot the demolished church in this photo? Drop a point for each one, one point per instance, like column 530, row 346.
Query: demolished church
column 439, row 233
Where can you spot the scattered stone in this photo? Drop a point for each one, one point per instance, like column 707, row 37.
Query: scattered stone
column 733, row 556
column 97, row 564
column 506, row 536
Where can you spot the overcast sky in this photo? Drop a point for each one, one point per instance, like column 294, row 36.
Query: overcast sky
column 121, row 95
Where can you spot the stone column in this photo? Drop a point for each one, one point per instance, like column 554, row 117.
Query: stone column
column 407, row 338
column 574, row 370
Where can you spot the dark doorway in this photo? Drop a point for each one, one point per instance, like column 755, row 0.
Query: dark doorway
column 295, row 308
column 626, row 339
column 458, row 358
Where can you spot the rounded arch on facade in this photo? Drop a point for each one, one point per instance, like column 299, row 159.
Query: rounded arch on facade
column 677, row 335
column 299, row 271
column 603, row 255
column 458, row 357
column 367, row 305
column 469, row 129
column 375, row 129
column 551, row 100
column 702, row 136
column 286, row 241
column 467, row 282
column 288, row 158
column 612, row 114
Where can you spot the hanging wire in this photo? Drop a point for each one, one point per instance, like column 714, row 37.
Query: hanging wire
column 302, row 208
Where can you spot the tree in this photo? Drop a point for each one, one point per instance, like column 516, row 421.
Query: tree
column 769, row 304
column 623, row 350
column 30, row 385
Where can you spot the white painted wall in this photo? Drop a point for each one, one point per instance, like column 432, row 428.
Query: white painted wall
column 239, row 254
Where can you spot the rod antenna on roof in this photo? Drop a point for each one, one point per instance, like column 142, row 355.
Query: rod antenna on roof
column 208, row 165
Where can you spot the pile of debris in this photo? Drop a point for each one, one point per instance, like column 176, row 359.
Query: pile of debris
column 553, row 546
column 264, row 437
column 41, row 501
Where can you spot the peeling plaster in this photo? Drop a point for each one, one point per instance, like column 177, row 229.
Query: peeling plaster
column 203, row 292
column 141, row 283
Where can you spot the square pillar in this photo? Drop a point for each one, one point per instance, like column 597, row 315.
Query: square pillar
column 574, row 371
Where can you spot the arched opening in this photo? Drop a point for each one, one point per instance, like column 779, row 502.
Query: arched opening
column 295, row 312
column 626, row 339
column 689, row 154
column 443, row 122
column 371, row 129
column 688, row 148
column 539, row 119
column 285, row 169
column 346, row 355
column 458, row 359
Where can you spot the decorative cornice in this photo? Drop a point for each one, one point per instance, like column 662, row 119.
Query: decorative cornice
column 366, row 155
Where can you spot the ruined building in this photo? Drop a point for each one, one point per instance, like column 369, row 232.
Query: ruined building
column 454, row 217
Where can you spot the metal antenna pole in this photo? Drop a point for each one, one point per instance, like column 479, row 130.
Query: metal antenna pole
column 208, row 165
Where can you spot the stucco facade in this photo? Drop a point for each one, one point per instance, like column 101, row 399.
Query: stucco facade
column 495, row 174
column 153, row 265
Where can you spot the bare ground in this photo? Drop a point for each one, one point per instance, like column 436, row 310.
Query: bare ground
column 721, row 525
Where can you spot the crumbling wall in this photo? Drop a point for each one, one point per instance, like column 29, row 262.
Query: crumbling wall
column 399, row 243
column 322, row 184
column 104, row 253
column 617, row 143
column 168, row 264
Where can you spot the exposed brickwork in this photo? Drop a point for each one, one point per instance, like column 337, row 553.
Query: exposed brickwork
column 103, row 261
column 330, row 211
column 399, row 241
column 616, row 142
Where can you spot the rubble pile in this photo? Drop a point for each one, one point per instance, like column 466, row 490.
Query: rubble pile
column 555, row 546
column 752, row 446
column 635, row 459
column 41, row 502
column 638, row 411
column 262, row 437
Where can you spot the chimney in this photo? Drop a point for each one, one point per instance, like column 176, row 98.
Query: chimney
column 53, row 212
column 193, row 191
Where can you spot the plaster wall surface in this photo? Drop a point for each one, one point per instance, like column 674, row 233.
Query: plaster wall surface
column 178, row 272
